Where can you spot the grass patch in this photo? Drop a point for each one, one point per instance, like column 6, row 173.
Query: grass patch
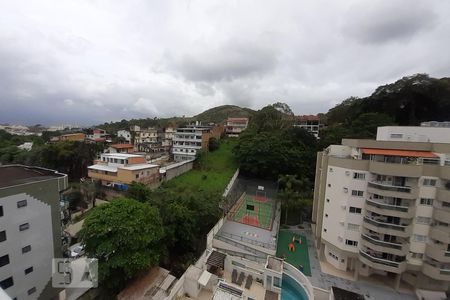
column 215, row 171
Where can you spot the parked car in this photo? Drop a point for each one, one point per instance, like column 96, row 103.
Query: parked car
column 76, row 250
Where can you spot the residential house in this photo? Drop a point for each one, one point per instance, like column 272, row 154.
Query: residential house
column 234, row 126
column 121, row 169
column 120, row 148
column 96, row 135
column 125, row 134
column 310, row 123
column 382, row 207
column 74, row 137
column 30, row 230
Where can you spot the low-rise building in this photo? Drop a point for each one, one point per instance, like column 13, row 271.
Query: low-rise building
column 30, row 230
column 26, row 146
column 121, row 169
column 234, row 126
column 125, row 134
column 120, row 148
column 74, row 137
column 310, row 123
column 96, row 135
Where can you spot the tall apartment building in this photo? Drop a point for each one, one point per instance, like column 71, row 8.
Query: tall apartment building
column 310, row 123
column 234, row 126
column 188, row 140
column 383, row 206
column 121, row 169
column 30, row 230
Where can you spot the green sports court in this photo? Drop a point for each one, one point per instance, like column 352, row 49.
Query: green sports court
column 300, row 256
column 253, row 210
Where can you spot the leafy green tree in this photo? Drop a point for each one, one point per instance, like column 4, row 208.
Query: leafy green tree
column 365, row 126
column 125, row 236
column 138, row 191
column 283, row 108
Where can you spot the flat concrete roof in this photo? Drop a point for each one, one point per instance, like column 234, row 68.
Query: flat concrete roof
column 121, row 155
column 11, row 175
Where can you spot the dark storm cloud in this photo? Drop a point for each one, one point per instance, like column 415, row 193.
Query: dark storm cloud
column 379, row 22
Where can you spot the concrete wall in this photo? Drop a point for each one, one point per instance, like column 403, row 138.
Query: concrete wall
column 175, row 170
column 413, row 134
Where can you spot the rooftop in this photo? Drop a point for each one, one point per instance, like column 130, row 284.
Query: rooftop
column 121, row 155
column 237, row 119
column 17, row 174
column 308, row 118
column 122, row 146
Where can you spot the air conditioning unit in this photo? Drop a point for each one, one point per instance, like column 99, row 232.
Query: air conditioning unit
column 347, row 173
column 345, row 190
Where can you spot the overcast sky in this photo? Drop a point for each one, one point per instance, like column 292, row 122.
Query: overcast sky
column 86, row 62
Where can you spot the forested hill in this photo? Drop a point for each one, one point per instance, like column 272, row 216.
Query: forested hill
column 407, row 101
column 216, row 115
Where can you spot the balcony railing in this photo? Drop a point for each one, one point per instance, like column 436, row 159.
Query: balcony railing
column 382, row 243
column 387, row 206
column 389, row 187
column 383, row 224
column 378, row 260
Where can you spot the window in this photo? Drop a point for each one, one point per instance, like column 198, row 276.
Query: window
column 31, row 291
column 345, row 190
column 21, row 203
column 420, row 238
column 2, row 236
column 328, row 200
column 329, row 185
column 26, row 249
column 351, row 243
column 354, row 210
column 8, row 282
column 331, row 170
column 416, row 255
column 376, row 196
column 353, row 227
column 396, row 135
column 276, row 282
column 333, row 256
column 325, row 230
column 28, row 270
column 24, row 226
column 4, row 260
column 359, row 176
column 429, row 182
column 137, row 176
column 357, row 193
column 1, row 211
column 426, row 201
column 423, row 220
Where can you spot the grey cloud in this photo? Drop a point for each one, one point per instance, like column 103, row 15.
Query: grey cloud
column 234, row 60
column 379, row 22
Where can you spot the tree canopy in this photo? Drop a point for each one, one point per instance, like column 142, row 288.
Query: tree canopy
column 125, row 236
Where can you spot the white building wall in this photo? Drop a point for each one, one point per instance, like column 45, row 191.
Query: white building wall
column 413, row 134
column 39, row 236
column 338, row 200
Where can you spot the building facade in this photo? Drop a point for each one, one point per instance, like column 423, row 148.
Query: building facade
column 30, row 230
column 120, row 148
column 234, row 126
column 125, row 134
column 189, row 140
column 121, row 169
column 383, row 207
column 76, row 137
column 310, row 123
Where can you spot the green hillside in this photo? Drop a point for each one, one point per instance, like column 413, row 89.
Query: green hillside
column 220, row 113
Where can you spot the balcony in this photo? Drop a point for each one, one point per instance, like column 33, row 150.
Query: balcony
column 389, row 190
column 376, row 244
column 443, row 195
column 381, row 263
column 380, row 225
column 395, row 169
column 434, row 271
column 381, row 208
column 438, row 252
column 441, row 214
column 440, row 233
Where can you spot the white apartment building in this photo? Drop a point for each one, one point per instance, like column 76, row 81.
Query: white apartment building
column 383, row 206
column 125, row 134
column 187, row 141
column 310, row 123
column 30, row 230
